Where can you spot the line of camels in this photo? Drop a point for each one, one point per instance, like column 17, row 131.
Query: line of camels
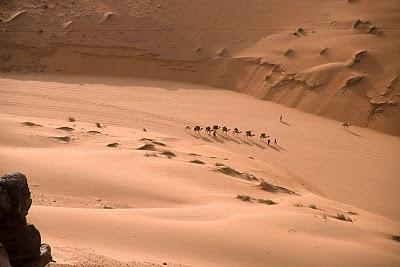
column 214, row 129
column 247, row 134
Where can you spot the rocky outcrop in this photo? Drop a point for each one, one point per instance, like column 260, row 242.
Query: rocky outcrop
column 4, row 261
column 21, row 242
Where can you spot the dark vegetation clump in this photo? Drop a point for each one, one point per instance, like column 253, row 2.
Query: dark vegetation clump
column 343, row 217
column 150, row 147
column 196, row 161
column 151, row 155
column 396, row 238
column 113, row 144
column 63, row 138
column 168, row 154
column 93, row 132
column 266, row 201
column 153, row 141
column 232, row 172
column 67, row 129
column 274, row 188
column 31, row 124
column 244, row 197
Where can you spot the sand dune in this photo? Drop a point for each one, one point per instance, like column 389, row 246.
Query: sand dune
column 99, row 100
column 133, row 207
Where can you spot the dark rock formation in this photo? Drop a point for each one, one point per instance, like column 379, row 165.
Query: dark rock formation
column 4, row 262
column 21, row 241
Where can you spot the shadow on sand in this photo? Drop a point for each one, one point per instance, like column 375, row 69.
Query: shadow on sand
column 277, row 148
column 287, row 124
column 258, row 145
column 202, row 137
column 230, row 139
column 353, row 133
column 247, row 142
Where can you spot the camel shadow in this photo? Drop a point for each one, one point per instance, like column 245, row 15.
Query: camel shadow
column 353, row 133
column 247, row 142
column 201, row 137
column 257, row 144
column 276, row 148
column 281, row 148
column 229, row 139
column 287, row 124
column 219, row 139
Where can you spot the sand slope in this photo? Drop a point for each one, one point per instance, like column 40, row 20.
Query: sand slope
column 274, row 50
column 123, row 206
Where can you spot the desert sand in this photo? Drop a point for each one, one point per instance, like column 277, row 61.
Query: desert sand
column 148, row 206
column 95, row 97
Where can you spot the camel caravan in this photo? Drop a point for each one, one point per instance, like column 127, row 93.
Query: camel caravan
column 213, row 130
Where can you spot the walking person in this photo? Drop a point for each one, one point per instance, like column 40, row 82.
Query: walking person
column 280, row 119
column 275, row 142
column 269, row 141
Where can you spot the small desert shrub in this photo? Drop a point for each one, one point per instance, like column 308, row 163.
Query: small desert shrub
column 147, row 147
column 396, row 238
column 113, row 145
column 31, row 124
column 67, row 129
column 266, row 201
column 274, row 188
column 352, row 213
column 312, row 206
column 229, row 171
column 196, row 161
column 342, row 217
column 63, row 138
column 243, row 197
column 152, row 141
column 98, row 125
column 168, row 154
column 71, row 119
column 93, row 132
column 219, row 164
column 298, row 205
column 288, row 52
column 150, row 155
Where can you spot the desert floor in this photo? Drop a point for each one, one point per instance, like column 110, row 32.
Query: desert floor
column 168, row 196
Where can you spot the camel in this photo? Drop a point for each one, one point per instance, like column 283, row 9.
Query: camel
column 208, row 130
column 225, row 130
column 187, row 128
column 197, row 129
column 216, row 127
column 346, row 125
column 249, row 134
column 263, row 136
column 236, row 131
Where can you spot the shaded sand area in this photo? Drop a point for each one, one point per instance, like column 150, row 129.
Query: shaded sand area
column 115, row 195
